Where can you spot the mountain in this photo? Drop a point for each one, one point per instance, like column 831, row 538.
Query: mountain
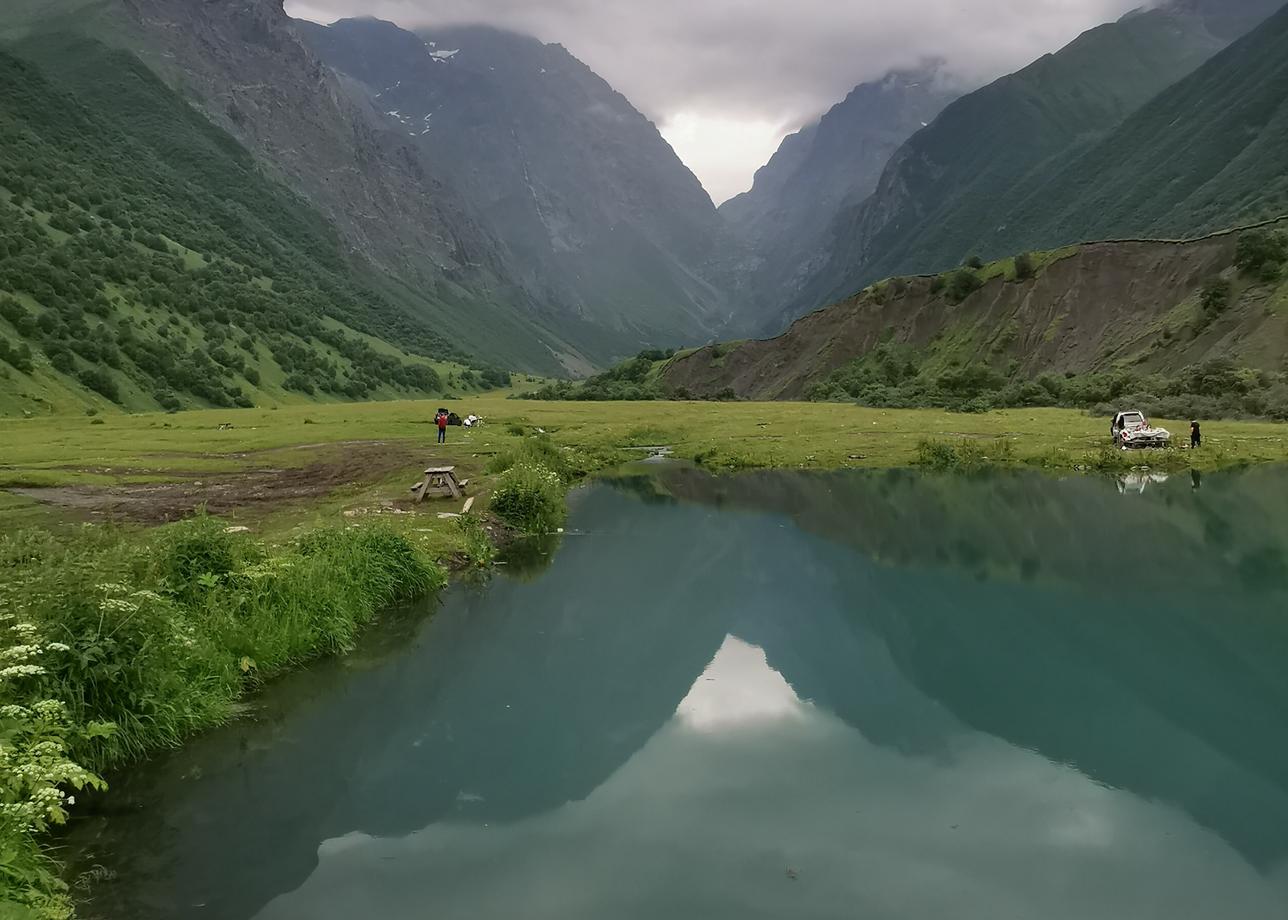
column 783, row 221
column 1205, row 153
column 586, row 239
column 1144, row 307
column 594, row 210
column 147, row 262
column 244, row 68
column 960, row 177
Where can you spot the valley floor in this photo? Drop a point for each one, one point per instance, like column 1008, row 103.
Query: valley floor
column 276, row 471
column 195, row 615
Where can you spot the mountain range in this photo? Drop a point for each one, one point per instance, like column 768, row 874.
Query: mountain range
column 960, row 182
column 594, row 212
column 453, row 199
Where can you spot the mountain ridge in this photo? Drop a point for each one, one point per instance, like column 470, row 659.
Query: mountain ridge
column 592, row 205
column 834, row 162
column 944, row 184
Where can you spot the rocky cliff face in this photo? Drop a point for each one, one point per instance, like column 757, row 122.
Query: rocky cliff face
column 783, row 222
column 1093, row 307
column 595, row 213
column 244, row 64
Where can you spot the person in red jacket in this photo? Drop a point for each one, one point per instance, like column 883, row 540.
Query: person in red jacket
column 441, row 419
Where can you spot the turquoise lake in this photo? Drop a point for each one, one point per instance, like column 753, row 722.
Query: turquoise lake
column 773, row 695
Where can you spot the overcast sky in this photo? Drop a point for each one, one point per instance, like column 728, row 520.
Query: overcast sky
column 725, row 80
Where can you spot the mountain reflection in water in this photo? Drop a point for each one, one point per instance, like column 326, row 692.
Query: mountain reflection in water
column 1004, row 696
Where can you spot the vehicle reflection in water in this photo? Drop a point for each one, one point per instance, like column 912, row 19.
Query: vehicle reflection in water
column 773, row 695
column 1136, row 482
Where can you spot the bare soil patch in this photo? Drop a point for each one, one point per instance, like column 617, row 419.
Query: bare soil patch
column 263, row 488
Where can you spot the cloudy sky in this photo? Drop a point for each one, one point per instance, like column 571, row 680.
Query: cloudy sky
column 726, row 79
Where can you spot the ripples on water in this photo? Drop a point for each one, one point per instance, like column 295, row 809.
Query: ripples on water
column 775, row 695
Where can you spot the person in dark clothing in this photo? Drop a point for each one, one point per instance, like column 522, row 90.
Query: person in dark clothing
column 442, row 427
column 1196, row 436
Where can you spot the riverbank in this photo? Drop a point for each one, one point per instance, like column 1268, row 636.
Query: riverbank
column 118, row 644
column 126, row 637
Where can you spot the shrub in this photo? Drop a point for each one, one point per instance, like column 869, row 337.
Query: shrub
column 1024, row 268
column 962, row 284
column 964, row 455
column 1261, row 254
column 100, row 381
column 1215, row 297
column 191, row 554
column 530, row 497
column 975, row 262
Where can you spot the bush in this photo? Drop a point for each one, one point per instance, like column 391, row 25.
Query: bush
column 530, row 498
column 1024, row 268
column 100, row 381
column 975, row 262
column 1215, row 297
column 964, row 455
column 962, row 284
column 1261, row 254
column 192, row 555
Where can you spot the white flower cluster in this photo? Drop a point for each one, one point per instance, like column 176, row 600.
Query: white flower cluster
column 35, row 772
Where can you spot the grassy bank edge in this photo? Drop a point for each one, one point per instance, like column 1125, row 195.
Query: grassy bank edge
column 120, row 644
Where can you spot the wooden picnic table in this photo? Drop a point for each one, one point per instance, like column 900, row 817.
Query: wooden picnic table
column 440, row 480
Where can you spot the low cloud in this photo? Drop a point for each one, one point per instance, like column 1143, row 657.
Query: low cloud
column 756, row 62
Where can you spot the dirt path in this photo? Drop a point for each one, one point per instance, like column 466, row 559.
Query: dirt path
column 263, row 488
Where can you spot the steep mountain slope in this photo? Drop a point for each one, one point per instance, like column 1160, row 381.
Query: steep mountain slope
column 963, row 172
column 244, row 66
column 594, row 209
column 836, row 162
column 145, row 261
column 1207, row 152
column 1144, row 306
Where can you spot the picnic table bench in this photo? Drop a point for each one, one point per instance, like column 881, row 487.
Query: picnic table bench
column 440, row 481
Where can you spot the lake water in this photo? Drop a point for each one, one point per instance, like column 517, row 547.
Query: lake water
column 870, row 695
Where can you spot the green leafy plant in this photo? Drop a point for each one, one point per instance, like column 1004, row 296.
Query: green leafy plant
column 530, row 497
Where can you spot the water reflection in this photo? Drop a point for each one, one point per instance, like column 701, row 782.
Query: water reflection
column 850, row 677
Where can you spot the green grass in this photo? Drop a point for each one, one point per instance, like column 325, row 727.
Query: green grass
column 69, row 450
column 119, row 643
column 159, row 631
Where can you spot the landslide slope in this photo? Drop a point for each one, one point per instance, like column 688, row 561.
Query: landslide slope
column 1093, row 307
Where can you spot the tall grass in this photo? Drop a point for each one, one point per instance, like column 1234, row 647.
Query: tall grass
column 114, row 645
column 531, row 498
column 965, row 455
column 529, row 493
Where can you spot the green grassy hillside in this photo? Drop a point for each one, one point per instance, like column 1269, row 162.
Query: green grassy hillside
column 1207, row 152
column 145, row 261
column 963, row 177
